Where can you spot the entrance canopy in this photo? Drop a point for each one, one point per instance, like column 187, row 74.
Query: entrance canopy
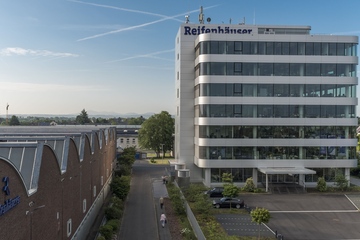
column 294, row 170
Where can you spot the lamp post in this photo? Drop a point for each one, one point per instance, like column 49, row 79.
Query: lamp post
column 31, row 214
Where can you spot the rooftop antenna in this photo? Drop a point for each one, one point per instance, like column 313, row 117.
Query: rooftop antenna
column 201, row 16
column 186, row 18
column 7, row 113
column 208, row 20
column 230, row 21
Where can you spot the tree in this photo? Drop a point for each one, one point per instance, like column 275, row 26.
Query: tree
column 14, row 121
column 82, row 118
column 249, row 185
column 260, row 215
column 230, row 190
column 341, row 182
column 321, row 184
column 156, row 133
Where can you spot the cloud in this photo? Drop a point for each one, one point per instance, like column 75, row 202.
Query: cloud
column 139, row 26
column 16, row 51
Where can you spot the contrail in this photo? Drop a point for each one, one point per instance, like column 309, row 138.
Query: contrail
column 123, row 9
column 138, row 26
column 149, row 55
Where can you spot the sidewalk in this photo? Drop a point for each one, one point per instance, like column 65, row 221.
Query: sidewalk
column 159, row 190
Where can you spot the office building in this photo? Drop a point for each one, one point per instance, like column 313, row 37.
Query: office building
column 275, row 103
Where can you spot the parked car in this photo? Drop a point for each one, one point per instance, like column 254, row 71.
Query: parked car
column 226, row 202
column 215, row 192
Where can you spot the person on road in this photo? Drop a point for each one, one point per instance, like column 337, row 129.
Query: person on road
column 163, row 179
column 161, row 201
column 163, row 219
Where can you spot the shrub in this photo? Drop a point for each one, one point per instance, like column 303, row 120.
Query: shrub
column 193, row 190
column 152, row 160
column 249, row 185
column 120, row 186
column 321, row 184
column 113, row 213
column 341, row 182
column 101, row 238
column 117, row 202
column 202, row 205
column 114, row 223
column 106, row 231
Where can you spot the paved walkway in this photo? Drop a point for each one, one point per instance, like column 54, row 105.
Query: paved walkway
column 159, row 190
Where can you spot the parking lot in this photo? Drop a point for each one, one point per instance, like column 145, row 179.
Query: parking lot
column 301, row 216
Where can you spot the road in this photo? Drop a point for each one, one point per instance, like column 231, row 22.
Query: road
column 140, row 219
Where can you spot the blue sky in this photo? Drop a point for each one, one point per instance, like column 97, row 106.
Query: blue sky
column 59, row 56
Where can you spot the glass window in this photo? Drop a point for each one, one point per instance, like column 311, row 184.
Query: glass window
column 312, row 69
column 265, row 111
column 295, row 90
column 248, row 111
column 301, row 48
column 294, row 111
column 281, row 90
column 217, row 89
column 265, row 132
column 312, row 111
column 317, row 49
column 309, row 48
column 265, row 69
column 265, row 90
column 237, row 89
column 324, row 48
column 229, row 89
column 332, row 49
column 214, row 47
column 204, row 47
column 218, row 68
column 230, row 47
column 312, row 90
column 340, row 111
column 249, row 69
column 262, row 48
column 293, row 48
column 340, row 49
column 248, row 90
column 327, row 90
column 343, row 70
column 222, row 47
column 281, row 111
column 296, row 69
column 237, row 68
column 269, row 48
column 285, row 48
column 328, row 111
column 281, row 69
column 246, row 48
column 237, row 47
column 254, row 47
column 277, row 48
column 328, row 69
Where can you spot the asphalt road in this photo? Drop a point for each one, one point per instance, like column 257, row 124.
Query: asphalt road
column 311, row 216
column 140, row 219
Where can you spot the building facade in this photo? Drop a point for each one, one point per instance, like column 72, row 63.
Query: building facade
column 54, row 180
column 275, row 103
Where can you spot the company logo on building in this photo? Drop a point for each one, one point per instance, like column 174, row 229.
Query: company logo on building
column 11, row 202
column 218, row 30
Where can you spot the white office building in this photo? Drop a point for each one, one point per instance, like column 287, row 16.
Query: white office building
column 275, row 103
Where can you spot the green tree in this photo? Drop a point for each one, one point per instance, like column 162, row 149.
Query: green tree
column 249, row 185
column 321, row 184
column 120, row 186
column 82, row 118
column 341, row 182
column 14, row 121
column 260, row 215
column 156, row 133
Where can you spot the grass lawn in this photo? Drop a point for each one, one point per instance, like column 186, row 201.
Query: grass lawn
column 160, row 161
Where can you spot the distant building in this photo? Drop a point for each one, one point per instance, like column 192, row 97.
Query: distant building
column 275, row 103
column 54, row 180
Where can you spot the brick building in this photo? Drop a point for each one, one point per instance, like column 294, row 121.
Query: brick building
column 54, row 180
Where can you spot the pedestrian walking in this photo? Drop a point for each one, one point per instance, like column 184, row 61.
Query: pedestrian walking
column 163, row 179
column 163, row 219
column 161, row 201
